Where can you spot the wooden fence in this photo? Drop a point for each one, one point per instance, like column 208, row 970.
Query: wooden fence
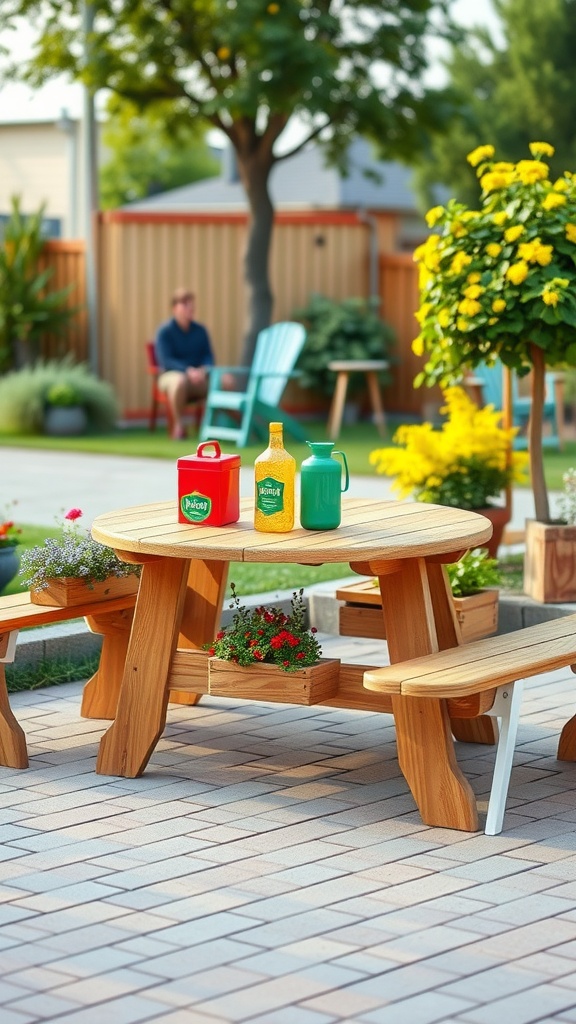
column 142, row 258
column 67, row 263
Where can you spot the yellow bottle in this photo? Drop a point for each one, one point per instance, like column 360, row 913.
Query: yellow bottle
column 274, row 473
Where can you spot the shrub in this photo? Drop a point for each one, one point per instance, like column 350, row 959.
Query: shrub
column 350, row 329
column 24, row 393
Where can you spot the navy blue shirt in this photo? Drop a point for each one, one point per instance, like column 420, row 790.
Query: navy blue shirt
column 177, row 349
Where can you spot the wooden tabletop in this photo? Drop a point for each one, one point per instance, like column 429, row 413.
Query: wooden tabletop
column 370, row 530
column 358, row 365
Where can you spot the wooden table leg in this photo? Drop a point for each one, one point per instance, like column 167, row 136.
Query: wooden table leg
column 202, row 611
column 468, row 730
column 376, row 401
column 141, row 715
column 337, row 408
column 423, row 735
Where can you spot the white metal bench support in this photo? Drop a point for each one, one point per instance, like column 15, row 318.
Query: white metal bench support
column 506, row 708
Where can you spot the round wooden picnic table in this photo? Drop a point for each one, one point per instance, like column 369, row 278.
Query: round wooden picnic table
column 180, row 599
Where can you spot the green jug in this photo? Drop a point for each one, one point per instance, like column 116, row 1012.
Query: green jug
column 320, row 487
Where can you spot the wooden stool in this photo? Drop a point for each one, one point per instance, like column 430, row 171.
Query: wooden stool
column 343, row 369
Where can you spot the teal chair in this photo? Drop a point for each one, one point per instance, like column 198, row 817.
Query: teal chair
column 235, row 415
column 488, row 381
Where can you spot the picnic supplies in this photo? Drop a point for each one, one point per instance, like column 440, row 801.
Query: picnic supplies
column 321, row 487
column 209, row 487
column 274, row 474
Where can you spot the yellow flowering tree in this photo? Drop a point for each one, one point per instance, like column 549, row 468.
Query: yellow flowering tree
column 499, row 282
column 464, row 464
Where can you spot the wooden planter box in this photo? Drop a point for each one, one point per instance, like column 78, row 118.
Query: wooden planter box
column 66, row 592
column 361, row 615
column 550, row 562
column 195, row 671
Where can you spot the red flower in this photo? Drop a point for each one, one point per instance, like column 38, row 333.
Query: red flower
column 258, row 655
column 73, row 514
column 285, row 662
column 220, row 635
column 211, row 652
column 300, row 655
column 313, row 629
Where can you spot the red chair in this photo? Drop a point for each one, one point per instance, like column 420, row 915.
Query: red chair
column 158, row 398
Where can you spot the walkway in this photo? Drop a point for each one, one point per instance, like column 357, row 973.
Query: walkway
column 270, row 866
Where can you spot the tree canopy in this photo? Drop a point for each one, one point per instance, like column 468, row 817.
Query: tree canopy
column 145, row 158
column 250, row 66
column 521, row 89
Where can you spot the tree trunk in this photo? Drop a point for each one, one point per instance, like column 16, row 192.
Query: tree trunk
column 539, row 489
column 254, row 172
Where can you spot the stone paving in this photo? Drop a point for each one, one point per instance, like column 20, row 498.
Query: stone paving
column 270, row 867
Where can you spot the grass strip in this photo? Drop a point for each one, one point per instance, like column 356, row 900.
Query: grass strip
column 51, row 672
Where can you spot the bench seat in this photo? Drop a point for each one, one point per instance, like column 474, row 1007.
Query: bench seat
column 111, row 618
column 494, row 666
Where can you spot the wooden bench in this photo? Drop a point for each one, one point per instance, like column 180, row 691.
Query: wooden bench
column 111, row 618
column 485, row 678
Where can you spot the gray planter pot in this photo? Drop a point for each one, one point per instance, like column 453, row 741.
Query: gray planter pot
column 65, row 420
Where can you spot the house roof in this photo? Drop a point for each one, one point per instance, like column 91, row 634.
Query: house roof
column 299, row 182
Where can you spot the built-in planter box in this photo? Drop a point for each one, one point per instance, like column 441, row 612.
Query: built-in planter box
column 550, row 562
column 361, row 615
column 197, row 671
column 65, row 592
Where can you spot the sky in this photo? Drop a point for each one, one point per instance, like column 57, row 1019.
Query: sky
column 18, row 103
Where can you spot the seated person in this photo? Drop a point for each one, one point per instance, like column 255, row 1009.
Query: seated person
column 184, row 353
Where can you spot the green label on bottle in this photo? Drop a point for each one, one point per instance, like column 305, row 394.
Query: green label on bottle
column 195, row 506
column 269, row 496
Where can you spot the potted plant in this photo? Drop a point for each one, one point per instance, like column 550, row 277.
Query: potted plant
column 345, row 330
column 550, row 562
column 499, row 282
column 466, row 463
column 474, row 581
column 266, row 652
column 62, row 569
column 64, row 415
column 9, row 540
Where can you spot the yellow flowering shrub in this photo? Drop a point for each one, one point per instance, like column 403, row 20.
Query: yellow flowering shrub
column 518, row 250
column 464, row 464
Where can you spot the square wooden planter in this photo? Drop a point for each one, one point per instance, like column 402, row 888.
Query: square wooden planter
column 204, row 674
column 550, row 562
column 361, row 615
column 267, row 682
column 65, row 592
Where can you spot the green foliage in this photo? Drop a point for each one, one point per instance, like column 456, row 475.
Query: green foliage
column 473, row 572
column 51, row 672
column 28, row 309
column 147, row 157
column 62, row 394
column 23, row 394
column 516, row 90
column 350, row 329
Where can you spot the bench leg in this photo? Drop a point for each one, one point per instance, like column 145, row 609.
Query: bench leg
column 13, row 752
column 100, row 693
column 567, row 741
column 506, row 707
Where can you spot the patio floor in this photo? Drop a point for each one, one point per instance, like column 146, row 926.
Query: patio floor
column 270, row 867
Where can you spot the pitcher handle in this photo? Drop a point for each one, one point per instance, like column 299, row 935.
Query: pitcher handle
column 347, row 484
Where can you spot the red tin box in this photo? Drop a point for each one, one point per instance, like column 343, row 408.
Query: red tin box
column 209, row 487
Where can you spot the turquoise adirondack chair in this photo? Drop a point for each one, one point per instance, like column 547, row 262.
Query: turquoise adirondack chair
column 489, row 380
column 235, row 415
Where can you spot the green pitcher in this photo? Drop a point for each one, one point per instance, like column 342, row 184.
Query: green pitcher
column 321, row 487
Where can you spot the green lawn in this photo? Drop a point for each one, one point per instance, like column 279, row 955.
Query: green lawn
column 356, row 441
